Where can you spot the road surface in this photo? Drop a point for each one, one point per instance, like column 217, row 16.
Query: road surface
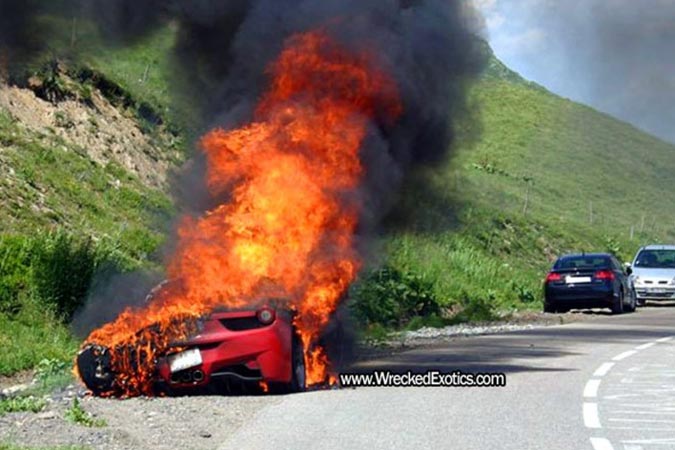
column 602, row 384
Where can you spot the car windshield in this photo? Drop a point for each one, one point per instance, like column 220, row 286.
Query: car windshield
column 656, row 259
column 582, row 262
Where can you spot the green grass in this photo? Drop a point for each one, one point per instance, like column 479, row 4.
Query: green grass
column 32, row 335
column 22, row 404
column 7, row 446
column 52, row 183
column 77, row 415
column 465, row 224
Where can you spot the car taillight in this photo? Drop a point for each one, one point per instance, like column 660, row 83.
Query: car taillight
column 604, row 275
column 553, row 277
column 266, row 315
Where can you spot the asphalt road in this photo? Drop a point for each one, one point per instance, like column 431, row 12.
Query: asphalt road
column 603, row 384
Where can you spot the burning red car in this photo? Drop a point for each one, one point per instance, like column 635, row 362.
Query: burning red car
column 242, row 347
column 231, row 350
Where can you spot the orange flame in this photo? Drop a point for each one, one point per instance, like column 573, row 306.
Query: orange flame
column 287, row 230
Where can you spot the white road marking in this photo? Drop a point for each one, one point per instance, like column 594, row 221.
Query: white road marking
column 642, row 420
column 624, row 355
column 591, row 417
column 665, row 339
column 645, row 346
column 603, row 369
column 601, row 444
column 632, row 447
column 666, row 441
column 591, row 389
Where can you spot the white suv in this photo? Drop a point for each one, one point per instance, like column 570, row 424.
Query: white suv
column 653, row 273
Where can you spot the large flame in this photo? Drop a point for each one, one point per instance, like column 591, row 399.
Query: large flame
column 286, row 230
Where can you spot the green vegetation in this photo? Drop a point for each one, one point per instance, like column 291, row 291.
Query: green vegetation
column 544, row 177
column 22, row 404
column 5, row 446
column 64, row 216
column 77, row 415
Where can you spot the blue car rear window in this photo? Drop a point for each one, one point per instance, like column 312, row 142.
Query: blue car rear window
column 582, row 262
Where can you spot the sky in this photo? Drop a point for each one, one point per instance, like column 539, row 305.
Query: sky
column 615, row 55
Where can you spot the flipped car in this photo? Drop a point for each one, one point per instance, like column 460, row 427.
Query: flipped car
column 653, row 273
column 595, row 280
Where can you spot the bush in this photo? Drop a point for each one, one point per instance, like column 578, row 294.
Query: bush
column 476, row 309
column 393, row 298
column 62, row 271
column 56, row 269
column 15, row 257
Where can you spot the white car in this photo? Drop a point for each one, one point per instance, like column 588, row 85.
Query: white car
column 653, row 273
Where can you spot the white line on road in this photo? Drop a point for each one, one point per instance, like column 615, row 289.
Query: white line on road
column 603, row 369
column 632, row 447
column 591, row 417
column 665, row 339
column 624, row 355
column 601, row 444
column 591, row 389
column 642, row 420
column 645, row 346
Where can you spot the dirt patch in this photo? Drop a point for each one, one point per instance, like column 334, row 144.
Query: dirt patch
column 189, row 423
column 106, row 133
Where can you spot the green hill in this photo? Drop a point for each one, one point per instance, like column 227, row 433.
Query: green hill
column 544, row 176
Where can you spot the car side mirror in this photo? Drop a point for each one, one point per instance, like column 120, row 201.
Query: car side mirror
column 628, row 268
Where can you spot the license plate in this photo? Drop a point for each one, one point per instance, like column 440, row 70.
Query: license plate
column 185, row 360
column 658, row 291
column 577, row 280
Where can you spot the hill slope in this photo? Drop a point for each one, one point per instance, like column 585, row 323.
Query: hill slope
column 544, row 176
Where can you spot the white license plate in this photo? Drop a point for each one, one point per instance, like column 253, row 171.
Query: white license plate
column 185, row 360
column 577, row 280
column 658, row 291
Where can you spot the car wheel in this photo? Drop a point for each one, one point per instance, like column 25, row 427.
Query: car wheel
column 617, row 305
column 633, row 303
column 638, row 301
column 298, row 381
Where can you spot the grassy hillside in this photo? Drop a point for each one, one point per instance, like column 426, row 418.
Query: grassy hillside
column 545, row 176
column 69, row 204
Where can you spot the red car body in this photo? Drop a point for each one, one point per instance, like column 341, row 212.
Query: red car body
column 238, row 348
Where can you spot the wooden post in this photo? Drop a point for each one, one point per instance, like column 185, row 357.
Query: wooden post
column 527, row 198
column 73, row 35
column 642, row 224
column 590, row 206
column 146, row 73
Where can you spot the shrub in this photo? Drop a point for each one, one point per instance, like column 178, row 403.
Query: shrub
column 392, row 298
column 15, row 257
column 62, row 271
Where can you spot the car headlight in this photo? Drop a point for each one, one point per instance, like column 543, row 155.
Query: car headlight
column 636, row 279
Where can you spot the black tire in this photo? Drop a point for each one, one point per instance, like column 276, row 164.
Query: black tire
column 633, row 304
column 617, row 305
column 298, row 381
column 640, row 302
column 550, row 308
